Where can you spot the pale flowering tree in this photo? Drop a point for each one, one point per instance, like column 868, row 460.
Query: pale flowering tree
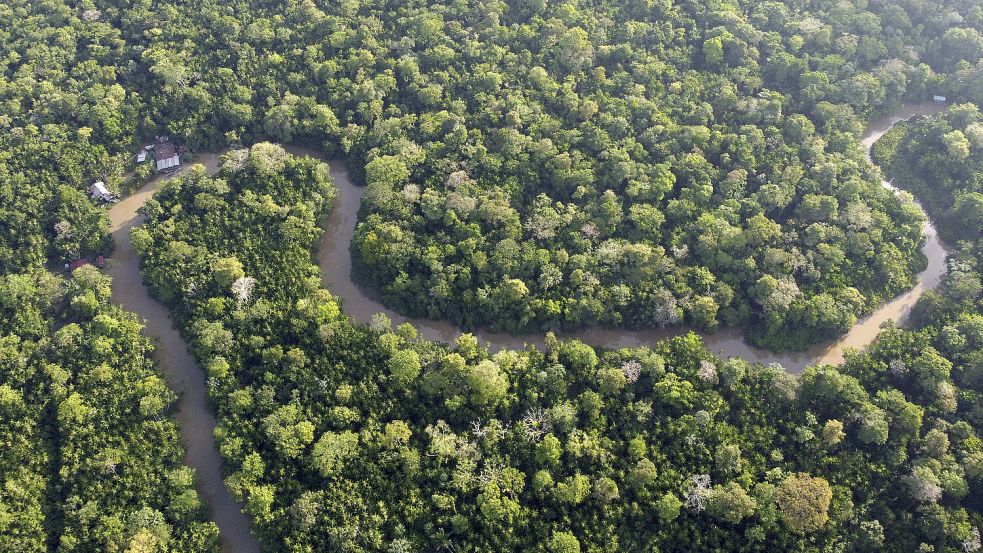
column 380, row 322
column 707, row 371
column 411, row 193
column 696, row 498
column 632, row 369
column 236, row 160
column 972, row 543
column 666, row 311
column 810, row 25
column 591, row 280
column 590, row 231
column 974, row 133
column 775, row 295
column 898, row 367
column 461, row 204
column 63, row 230
column 946, row 394
column 923, row 485
column 457, row 179
column 610, row 252
column 242, row 290
column 541, row 227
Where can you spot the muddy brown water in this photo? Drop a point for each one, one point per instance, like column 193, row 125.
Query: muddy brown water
column 336, row 268
column 185, row 376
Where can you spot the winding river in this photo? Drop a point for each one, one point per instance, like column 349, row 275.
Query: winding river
column 336, row 267
column 184, row 375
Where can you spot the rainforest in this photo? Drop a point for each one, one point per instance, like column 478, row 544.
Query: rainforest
column 488, row 276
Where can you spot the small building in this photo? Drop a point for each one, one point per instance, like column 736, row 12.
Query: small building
column 165, row 156
column 98, row 191
column 939, row 99
column 100, row 262
column 142, row 156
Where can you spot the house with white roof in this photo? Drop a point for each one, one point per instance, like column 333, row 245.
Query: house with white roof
column 98, row 191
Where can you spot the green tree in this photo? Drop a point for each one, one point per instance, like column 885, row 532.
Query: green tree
column 730, row 503
column 803, row 502
column 227, row 270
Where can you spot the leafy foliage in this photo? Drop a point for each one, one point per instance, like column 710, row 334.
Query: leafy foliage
column 529, row 165
column 544, row 165
column 91, row 459
column 343, row 436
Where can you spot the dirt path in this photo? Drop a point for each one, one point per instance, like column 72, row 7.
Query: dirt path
column 195, row 419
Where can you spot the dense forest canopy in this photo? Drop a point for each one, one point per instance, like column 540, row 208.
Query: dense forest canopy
column 940, row 160
column 537, row 165
column 556, row 164
column 343, row 437
column 90, row 460
column 529, row 165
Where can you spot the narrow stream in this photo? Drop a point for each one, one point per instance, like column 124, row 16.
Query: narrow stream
column 336, row 267
column 184, row 375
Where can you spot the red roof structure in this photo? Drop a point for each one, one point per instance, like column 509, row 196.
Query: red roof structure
column 77, row 263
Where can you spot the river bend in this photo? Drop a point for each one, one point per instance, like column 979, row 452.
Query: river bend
column 185, row 376
column 336, row 273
